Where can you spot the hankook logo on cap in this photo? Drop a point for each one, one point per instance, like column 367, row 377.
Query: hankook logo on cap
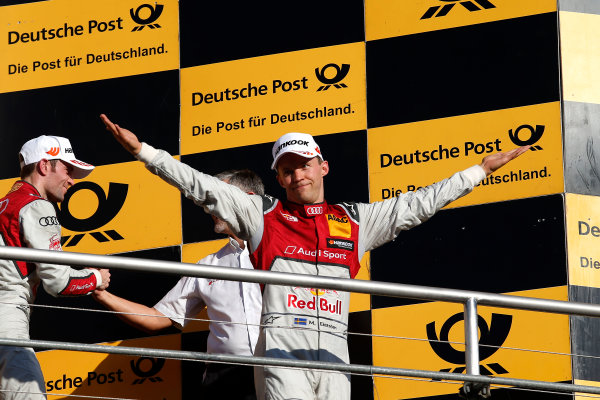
column 53, row 151
column 290, row 143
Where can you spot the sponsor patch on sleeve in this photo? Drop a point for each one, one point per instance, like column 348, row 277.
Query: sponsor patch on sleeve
column 54, row 243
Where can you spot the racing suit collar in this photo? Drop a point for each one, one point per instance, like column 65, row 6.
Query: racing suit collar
column 307, row 210
column 32, row 190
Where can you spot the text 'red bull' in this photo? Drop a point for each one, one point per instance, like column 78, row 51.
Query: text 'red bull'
column 323, row 304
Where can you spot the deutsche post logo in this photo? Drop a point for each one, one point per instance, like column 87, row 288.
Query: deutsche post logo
column 471, row 5
column 146, row 368
column 108, row 207
column 526, row 135
column 137, row 16
column 339, row 72
column 490, row 339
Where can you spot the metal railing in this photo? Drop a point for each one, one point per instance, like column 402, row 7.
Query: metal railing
column 470, row 299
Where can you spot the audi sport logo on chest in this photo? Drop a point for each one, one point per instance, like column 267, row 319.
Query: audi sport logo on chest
column 313, row 210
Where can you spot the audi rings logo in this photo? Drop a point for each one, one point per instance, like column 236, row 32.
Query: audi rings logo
column 340, row 74
column 146, row 368
column 48, row 221
column 471, row 5
column 490, row 339
column 314, row 210
column 532, row 136
column 149, row 20
column 109, row 206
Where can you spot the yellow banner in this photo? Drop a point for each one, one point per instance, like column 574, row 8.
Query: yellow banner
column 583, row 239
column 438, row 345
column 193, row 252
column 405, row 157
column 390, row 18
column 580, row 56
column 118, row 208
column 118, row 376
column 256, row 100
column 586, row 396
column 61, row 42
column 6, row 184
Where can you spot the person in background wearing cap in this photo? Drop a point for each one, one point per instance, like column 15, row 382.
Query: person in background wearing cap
column 28, row 219
column 305, row 234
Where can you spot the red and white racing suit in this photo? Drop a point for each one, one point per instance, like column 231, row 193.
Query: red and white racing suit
column 316, row 239
column 28, row 220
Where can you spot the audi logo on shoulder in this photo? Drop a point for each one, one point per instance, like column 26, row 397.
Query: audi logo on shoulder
column 48, row 221
column 314, row 210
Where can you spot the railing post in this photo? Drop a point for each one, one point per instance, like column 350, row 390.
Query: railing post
column 472, row 390
column 471, row 337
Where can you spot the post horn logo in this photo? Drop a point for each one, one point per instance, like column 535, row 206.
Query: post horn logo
column 490, row 339
column 340, row 74
column 148, row 21
column 471, row 5
column 146, row 368
column 534, row 136
column 108, row 207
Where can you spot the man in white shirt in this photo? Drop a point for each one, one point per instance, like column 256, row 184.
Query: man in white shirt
column 233, row 308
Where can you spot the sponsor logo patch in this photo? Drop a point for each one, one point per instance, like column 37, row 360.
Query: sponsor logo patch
column 300, row 321
column 3, row 205
column 53, row 151
column 54, row 243
column 47, row 221
column 289, row 217
column 270, row 320
column 339, row 226
column 340, row 244
column 333, row 306
column 313, row 210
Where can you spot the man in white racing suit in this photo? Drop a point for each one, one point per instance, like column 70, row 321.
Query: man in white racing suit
column 304, row 234
column 28, row 219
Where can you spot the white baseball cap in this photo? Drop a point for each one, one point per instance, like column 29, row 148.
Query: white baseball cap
column 53, row 148
column 302, row 144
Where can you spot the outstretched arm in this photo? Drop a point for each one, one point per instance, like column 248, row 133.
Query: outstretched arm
column 494, row 161
column 124, row 136
column 138, row 315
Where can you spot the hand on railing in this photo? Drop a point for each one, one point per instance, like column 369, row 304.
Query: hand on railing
column 105, row 275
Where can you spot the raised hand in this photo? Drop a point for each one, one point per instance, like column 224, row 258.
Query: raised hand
column 127, row 138
column 494, row 161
